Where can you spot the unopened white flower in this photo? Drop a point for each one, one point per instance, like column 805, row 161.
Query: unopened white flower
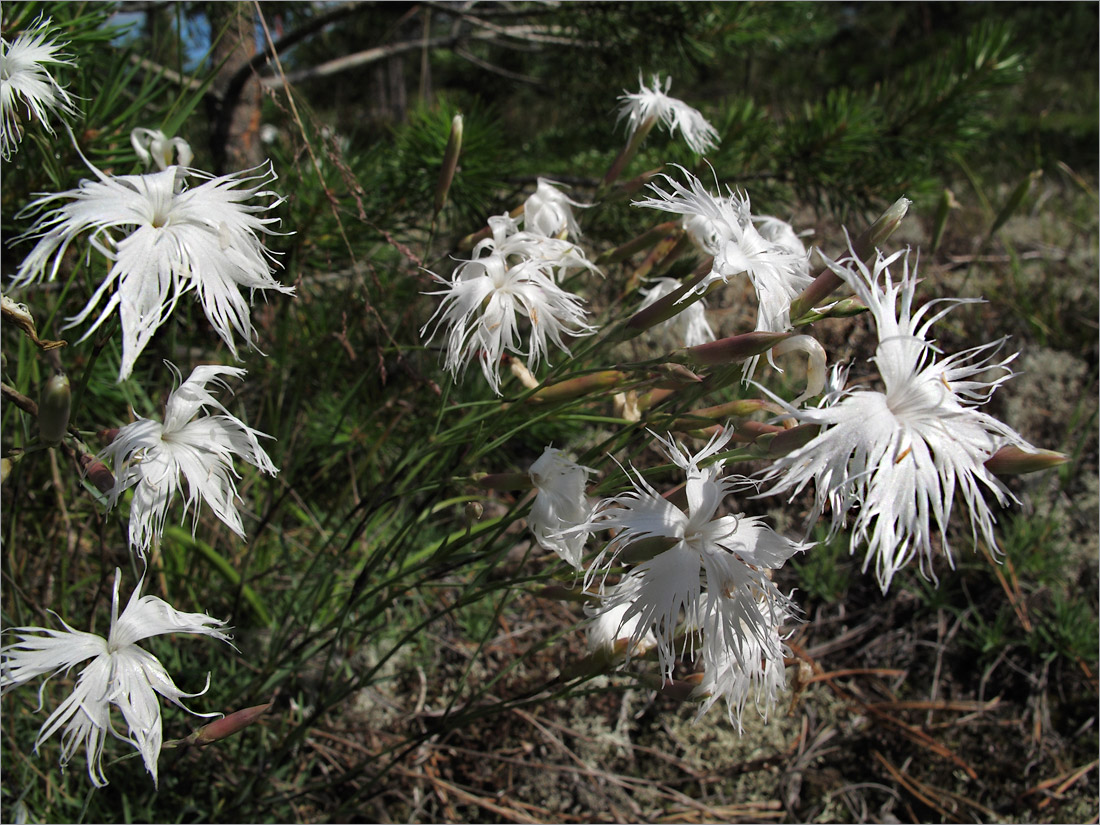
column 559, row 504
column 482, row 306
column 163, row 240
column 648, row 106
column 904, row 453
column 153, row 146
column 548, row 211
column 25, row 80
column 689, row 325
column 120, row 674
column 747, row 666
column 151, row 457
column 698, row 558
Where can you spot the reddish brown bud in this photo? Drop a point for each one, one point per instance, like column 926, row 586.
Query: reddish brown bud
column 97, row 473
column 227, row 725
column 1014, row 461
column 729, row 350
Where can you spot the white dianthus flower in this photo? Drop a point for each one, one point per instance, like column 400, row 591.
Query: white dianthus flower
column 151, row 457
column 610, row 625
column 749, row 665
column 153, row 146
column 25, row 78
column 560, row 256
column 701, row 564
column 483, row 303
column 548, row 211
column 902, row 455
column 120, row 674
column 162, row 240
column 723, row 227
column 647, row 106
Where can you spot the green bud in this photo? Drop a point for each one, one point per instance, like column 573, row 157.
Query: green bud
column 53, row 409
column 450, row 163
column 863, row 246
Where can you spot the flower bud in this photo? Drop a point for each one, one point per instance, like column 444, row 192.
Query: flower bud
column 96, row 472
column 227, row 725
column 729, row 350
column 578, row 387
column 450, row 163
column 781, row 442
column 53, row 409
column 473, row 511
column 741, row 408
column 863, row 247
column 1011, row 460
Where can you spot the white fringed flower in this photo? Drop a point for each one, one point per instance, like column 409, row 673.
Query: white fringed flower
column 151, row 457
column 548, row 211
column 690, row 326
column 483, row 303
column 163, row 240
column 903, row 454
column 559, row 504
column 25, row 79
column 700, row 563
column 120, row 674
column 648, row 106
column 724, row 228
column 748, row 666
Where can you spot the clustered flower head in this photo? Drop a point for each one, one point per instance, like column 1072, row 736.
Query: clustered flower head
column 151, row 457
column 513, row 279
column 162, row 239
column 25, row 80
column 120, row 674
column 776, row 263
column 652, row 104
column 701, row 575
column 901, row 455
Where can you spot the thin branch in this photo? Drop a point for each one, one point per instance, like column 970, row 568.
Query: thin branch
column 363, row 58
column 489, row 67
column 170, row 75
